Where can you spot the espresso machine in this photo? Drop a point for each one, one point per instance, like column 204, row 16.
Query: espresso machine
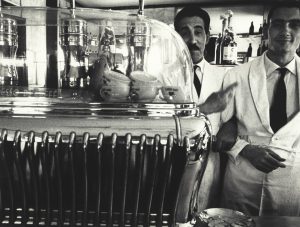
column 127, row 150
column 8, row 49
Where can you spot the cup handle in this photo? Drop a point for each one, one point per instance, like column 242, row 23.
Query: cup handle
column 104, row 93
column 133, row 95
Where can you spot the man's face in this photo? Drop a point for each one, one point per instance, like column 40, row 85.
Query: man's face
column 284, row 31
column 192, row 31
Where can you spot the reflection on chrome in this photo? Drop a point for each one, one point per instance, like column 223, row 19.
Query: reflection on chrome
column 8, row 49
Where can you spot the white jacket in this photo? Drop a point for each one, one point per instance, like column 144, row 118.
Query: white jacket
column 209, row 189
column 245, row 188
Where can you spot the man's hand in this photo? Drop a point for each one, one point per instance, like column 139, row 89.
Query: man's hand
column 217, row 101
column 262, row 158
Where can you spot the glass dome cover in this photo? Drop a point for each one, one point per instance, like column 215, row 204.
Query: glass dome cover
column 96, row 55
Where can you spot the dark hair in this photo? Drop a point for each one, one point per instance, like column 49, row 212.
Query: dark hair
column 191, row 11
column 294, row 4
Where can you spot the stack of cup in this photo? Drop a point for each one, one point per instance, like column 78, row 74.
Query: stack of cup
column 115, row 87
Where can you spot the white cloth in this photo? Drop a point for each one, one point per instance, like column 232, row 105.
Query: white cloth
column 245, row 188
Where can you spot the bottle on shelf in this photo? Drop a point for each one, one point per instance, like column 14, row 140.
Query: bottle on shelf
column 264, row 47
column 251, row 29
column 258, row 53
column 249, row 51
column 229, row 46
column 260, row 30
column 218, row 49
column 265, row 30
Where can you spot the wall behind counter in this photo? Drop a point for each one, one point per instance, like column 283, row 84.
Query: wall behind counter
column 243, row 15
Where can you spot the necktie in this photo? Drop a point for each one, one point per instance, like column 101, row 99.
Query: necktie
column 197, row 83
column 278, row 117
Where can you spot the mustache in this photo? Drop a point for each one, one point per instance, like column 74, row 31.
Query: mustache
column 193, row 47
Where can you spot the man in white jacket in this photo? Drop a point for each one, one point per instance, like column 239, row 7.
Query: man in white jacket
column 192, row 23
column 263, row 173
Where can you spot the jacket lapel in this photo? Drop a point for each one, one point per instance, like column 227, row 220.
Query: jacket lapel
column 206, row 82
column 258, row 88
column 290, row 126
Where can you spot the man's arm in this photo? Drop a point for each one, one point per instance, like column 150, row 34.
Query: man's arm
column 218, row 101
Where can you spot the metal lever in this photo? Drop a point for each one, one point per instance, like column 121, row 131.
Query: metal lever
column 73, row 8
column 141, row 7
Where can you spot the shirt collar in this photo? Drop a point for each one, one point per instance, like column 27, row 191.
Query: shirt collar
column 201, row 64
column 270, row 66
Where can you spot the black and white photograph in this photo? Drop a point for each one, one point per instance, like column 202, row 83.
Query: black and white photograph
column 179, row 113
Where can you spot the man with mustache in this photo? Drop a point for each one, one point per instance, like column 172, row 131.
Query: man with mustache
column 262, row 174
column 192, row 23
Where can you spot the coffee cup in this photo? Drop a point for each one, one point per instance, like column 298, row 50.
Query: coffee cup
column 144, row 93
column 115, row 93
